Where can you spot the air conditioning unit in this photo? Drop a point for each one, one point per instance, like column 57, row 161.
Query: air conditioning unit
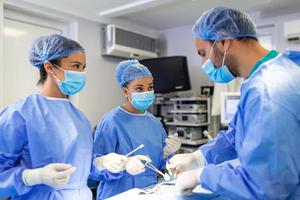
column 127, row 44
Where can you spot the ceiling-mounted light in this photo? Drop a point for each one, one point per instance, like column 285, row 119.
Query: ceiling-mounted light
column 116, row 10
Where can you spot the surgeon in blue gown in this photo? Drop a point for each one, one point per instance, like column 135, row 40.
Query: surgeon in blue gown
column 124, row 129
column 264, row 134
column 44, row 136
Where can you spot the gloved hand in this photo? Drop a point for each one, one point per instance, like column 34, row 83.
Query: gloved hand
column 183, row 162
column 173, row 144
column 54, row 175
column 112, row 162
column 188, row 180
column 135, row 165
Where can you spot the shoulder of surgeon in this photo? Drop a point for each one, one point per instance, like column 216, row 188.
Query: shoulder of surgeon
column 110, row 115
column 279, row 70
column 19, row 107
column 274, row 79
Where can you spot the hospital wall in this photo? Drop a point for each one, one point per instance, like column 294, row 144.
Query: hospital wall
column 279, row 18
column 101, row 92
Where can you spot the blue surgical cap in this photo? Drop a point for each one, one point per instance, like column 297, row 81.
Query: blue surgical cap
column 129, row 70
column 51, row 47
column 224, row 23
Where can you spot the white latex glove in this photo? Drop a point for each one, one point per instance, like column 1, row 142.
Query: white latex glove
column 187, row 161
column 188, row 180
column 135, row 165
column 54, row 175
column 173, row 144
column 112, row 162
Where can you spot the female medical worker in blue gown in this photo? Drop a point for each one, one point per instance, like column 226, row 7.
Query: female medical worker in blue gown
column 43, row 136
column 125, row 128
column 265, row 132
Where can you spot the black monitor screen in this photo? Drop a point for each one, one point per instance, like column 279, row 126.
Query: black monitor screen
column 170, row 73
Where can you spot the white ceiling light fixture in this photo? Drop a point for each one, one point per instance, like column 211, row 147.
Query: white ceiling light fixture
column 132, row 7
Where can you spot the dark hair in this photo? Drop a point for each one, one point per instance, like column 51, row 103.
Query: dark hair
column 126, row 84
column 43, row 73
column 247, row 39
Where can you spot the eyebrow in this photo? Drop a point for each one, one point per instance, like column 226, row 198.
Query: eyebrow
column 77, row 62
column 141, row 85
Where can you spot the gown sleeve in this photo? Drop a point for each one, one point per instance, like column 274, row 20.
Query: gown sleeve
column 12, row 141
column 105, row 142
column 163, row 144
column 222, row 148
column 267, row 169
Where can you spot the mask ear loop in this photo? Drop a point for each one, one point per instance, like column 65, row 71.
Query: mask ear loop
column 125, row 89
column 224, row 58
column 127, row 97
column 225, row 53
column 59, row 67
column 130, row 100
column 54, row 65
column 210, row 52
column 55, row 77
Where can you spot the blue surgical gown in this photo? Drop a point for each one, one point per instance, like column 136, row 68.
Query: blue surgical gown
column 264, row 135
column 37, row 131
column 121, row 132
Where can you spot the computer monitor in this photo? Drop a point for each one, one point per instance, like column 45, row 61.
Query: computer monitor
column 170, row 74
column 229, row 104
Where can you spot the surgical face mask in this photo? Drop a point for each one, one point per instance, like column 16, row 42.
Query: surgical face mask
column 142, row 100
column 73, row 83
column 217, row 74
